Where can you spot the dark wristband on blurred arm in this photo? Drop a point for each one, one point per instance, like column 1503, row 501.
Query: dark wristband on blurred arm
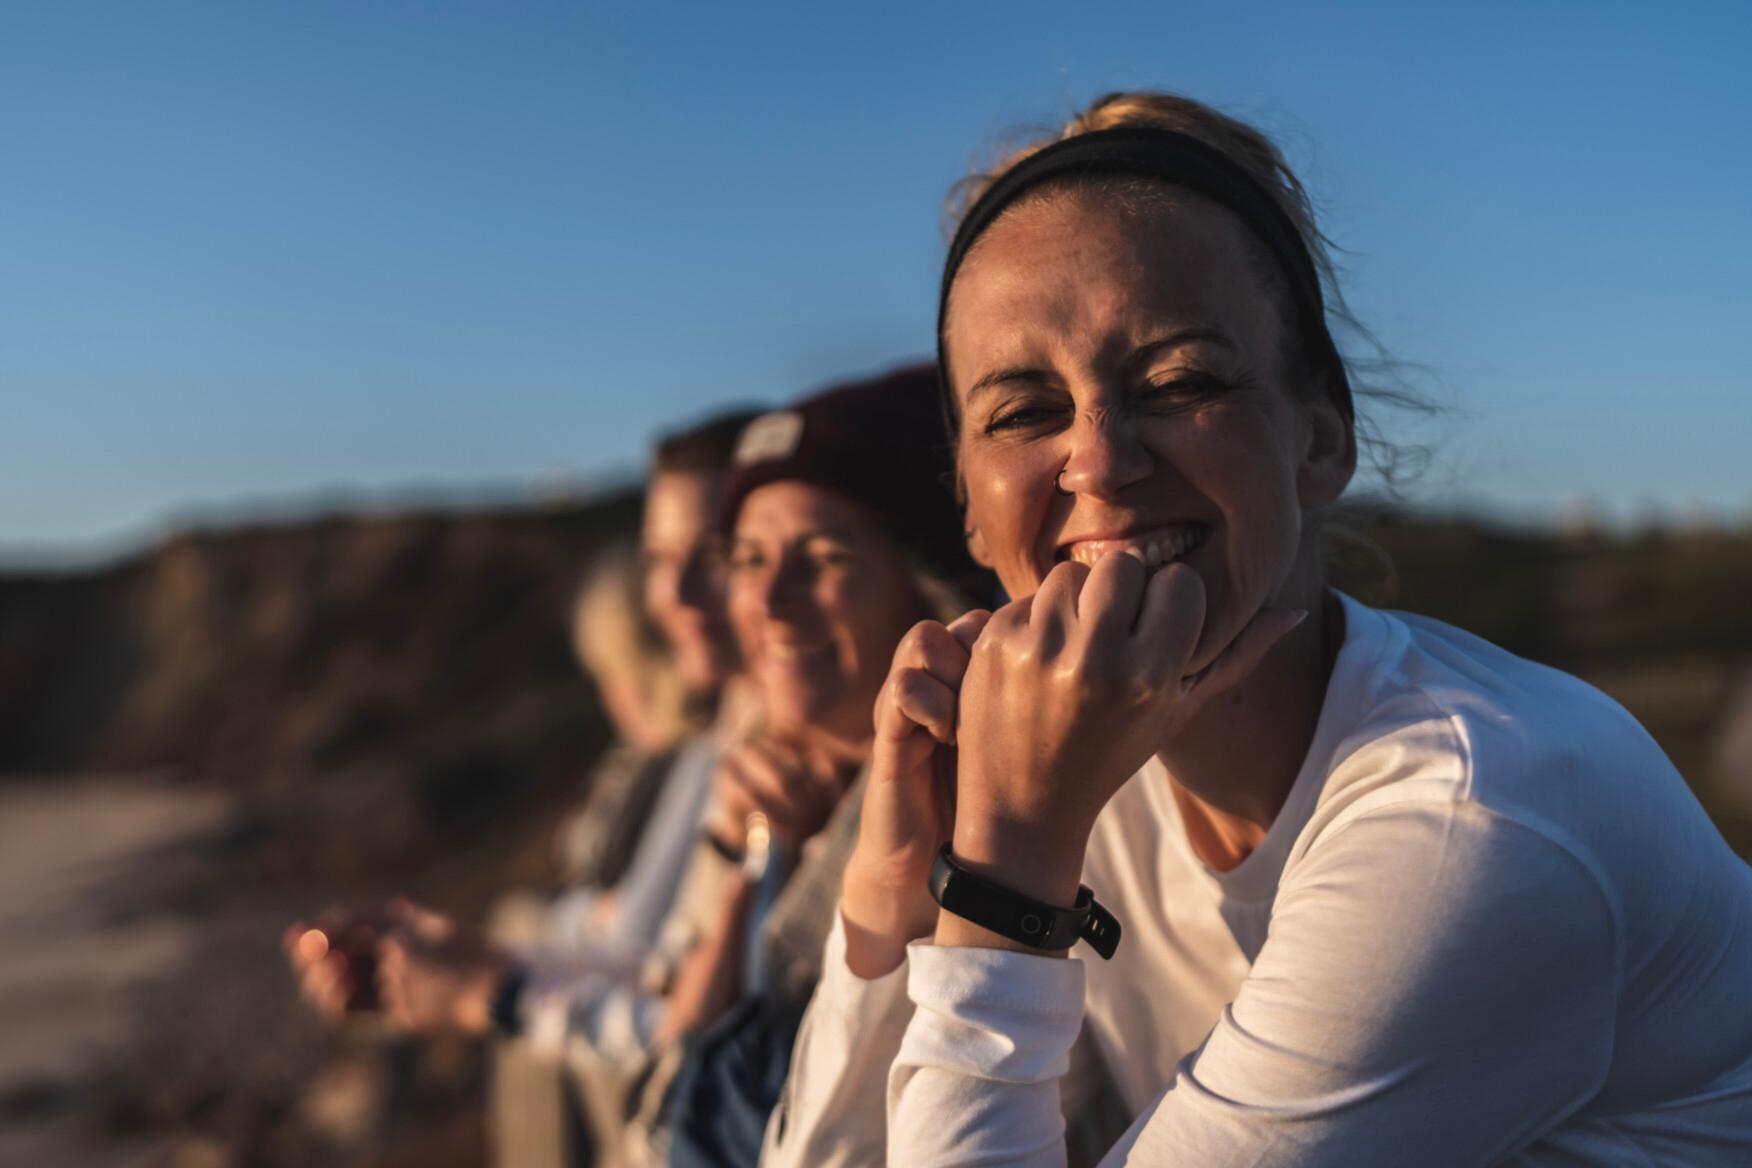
column 1022, row 919
column 725, row 852
column 506, row 1011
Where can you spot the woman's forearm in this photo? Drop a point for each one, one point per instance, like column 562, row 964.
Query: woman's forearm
column 831, row 1114
column 709, row 977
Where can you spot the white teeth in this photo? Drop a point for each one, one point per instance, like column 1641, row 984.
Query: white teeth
column 1151, row 553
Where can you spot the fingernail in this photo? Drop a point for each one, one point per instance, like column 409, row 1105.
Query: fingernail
column 1136, row 554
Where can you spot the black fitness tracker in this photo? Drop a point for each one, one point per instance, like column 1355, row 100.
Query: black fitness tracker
column 1022, row 918
column 725, row 852
column 504, row 1012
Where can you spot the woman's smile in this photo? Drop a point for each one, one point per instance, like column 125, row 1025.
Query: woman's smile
column 1153, row 546
column 798, row 655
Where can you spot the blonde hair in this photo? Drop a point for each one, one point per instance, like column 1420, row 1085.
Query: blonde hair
column 621, row 650
column 1375, row 377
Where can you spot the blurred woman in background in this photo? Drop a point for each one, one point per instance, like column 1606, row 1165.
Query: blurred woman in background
column 842, row 537
column 1376, row 892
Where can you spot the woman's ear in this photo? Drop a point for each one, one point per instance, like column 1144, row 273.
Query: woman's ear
column 976, row 546
column 1330, row 458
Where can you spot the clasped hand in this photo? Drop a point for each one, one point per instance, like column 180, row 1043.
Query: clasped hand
column 1008, row 732
column 409, row 965
column 792, row 784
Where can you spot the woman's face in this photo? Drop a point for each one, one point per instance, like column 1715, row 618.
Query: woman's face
column 819, row 597
column 682, row 591
column 1135, row 356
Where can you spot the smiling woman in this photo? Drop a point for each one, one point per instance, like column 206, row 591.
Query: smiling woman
column 1387, row 894
column 818, row 596
column 842, row 536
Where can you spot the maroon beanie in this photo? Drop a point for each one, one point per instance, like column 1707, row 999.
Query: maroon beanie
column 879, row 442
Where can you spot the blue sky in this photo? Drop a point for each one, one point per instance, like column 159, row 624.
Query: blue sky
column 266, row 254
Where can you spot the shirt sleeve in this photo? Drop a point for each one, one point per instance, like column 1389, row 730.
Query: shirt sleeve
column 1439, row 987
column 831, row 1112
column 606, row 1001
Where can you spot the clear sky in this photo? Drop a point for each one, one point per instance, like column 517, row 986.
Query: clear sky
column 257, row 253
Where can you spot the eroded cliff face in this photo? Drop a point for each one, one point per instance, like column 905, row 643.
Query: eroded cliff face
column 408, row 673
column 272, row 647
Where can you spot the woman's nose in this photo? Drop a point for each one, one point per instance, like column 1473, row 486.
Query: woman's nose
column 700, row 582
column 1106, row 457
column 785, row 590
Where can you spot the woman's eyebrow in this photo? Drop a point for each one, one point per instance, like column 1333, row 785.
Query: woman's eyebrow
column 826, row 534
column 1176, row 339
column 999, row 377
column 1142, row 354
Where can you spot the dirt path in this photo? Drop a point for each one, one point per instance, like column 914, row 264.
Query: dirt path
column 80, row 858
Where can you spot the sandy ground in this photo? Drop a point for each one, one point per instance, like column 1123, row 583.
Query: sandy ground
column 80, row 861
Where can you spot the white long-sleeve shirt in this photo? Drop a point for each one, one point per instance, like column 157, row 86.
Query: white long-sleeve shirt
column 1489, row 926
column 587, row 987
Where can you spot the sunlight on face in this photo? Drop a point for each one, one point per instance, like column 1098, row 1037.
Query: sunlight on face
column 819, row 597
column 1134, row 358
column 683, row 592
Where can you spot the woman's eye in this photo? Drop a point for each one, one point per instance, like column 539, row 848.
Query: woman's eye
column 1018, row 418
column 829, row 557
column 1182, row 390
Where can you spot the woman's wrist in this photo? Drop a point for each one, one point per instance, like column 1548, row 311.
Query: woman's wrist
column 727, row 831
column 1043, row 861
column 884, row 908
column 477, row 988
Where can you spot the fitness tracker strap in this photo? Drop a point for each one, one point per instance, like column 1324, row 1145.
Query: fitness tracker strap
column 505, row 1011
column 1022, row 918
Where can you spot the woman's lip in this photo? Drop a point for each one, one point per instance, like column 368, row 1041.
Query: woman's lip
column 1155, row 545
column 793, row 651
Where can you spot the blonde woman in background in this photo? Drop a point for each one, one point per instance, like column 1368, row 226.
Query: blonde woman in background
column 651, row 712
column 540, row 1116
column 629, row 849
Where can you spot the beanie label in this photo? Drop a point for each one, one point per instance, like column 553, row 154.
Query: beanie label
column 770, row 437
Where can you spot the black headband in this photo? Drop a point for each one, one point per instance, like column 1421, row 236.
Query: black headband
column 1169, row 156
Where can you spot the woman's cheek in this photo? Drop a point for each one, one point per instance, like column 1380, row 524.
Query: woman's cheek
column 740, row 609
column 1009, row 512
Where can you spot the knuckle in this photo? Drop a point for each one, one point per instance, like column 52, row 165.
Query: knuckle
column 928, row 632
column 918, row 640
column 914, row 685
